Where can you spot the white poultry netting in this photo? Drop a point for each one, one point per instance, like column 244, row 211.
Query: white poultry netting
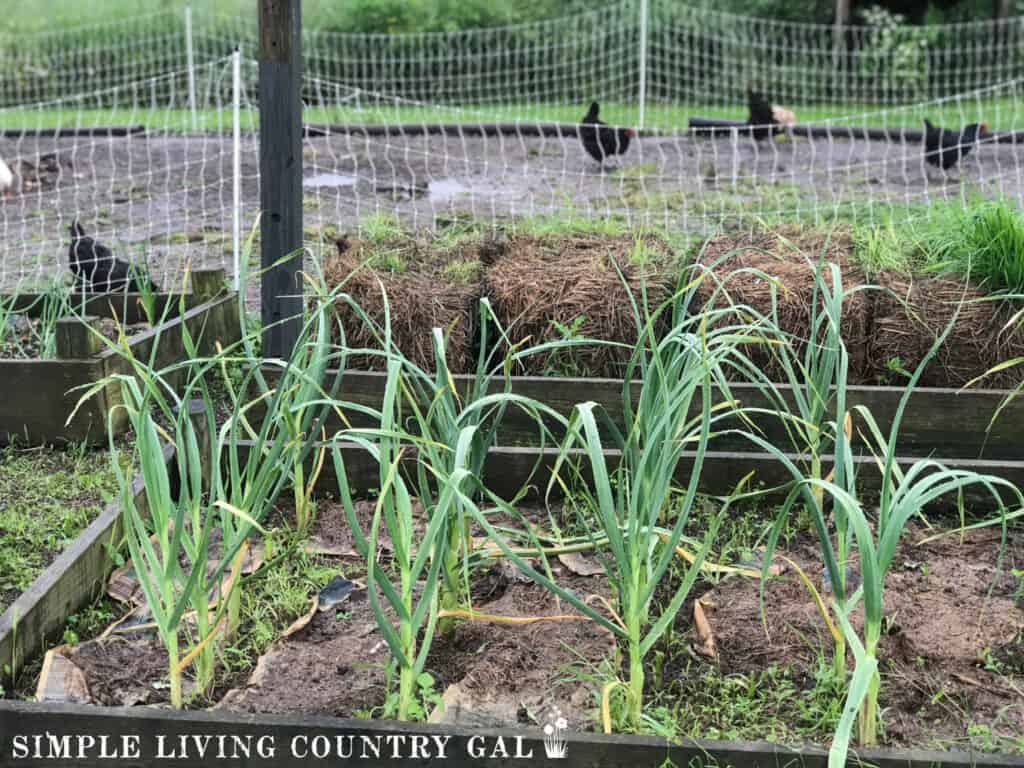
column 61, row 61
column 131, row 165
column 410, row 130
column 698, row 55
column 565, row 60
column 658, row 51
column 459, row 163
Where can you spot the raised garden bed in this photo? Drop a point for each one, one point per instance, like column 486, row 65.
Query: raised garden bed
column 292, row 735
column 74, row 578
column 564, row 610
column 498, row 680
column 41, row 394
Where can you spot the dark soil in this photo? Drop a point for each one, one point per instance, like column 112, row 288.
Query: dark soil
column 952, row 653
column 336, row 664
column 333, row 666
column 123, row 672
column 334, row 661
column 949, row 620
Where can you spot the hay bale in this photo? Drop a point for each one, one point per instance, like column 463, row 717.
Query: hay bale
column 423, row 293
column 788, row 255
column 539, row 286
column 911, row 313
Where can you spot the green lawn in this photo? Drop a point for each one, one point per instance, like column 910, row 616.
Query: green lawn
column 999, row 113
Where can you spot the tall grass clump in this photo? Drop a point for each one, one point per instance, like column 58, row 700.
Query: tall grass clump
column 984, row 240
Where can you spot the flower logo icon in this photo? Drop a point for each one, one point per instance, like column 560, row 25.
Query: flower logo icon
column 555, row 746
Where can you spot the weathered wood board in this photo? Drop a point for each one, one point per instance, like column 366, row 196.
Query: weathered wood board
column 946, row 423
column 40, row 395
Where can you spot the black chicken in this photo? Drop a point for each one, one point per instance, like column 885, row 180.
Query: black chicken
column 766, row 119
column 600, row 140
column 95, row 268
column 944, row 149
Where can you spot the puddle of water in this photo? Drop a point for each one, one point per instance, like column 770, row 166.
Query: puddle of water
column 443, row 190
column 329, row 180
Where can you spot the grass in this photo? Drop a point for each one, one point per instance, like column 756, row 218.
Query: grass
column 50, row 14
column 771, row 705
column 47, row 498
column 463, row 272
column 984, row 239
column 664, row 117
column 272, row 598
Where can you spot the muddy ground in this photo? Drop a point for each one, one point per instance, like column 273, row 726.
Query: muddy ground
column 952, row 647
column 168, row 198
column 951, row 654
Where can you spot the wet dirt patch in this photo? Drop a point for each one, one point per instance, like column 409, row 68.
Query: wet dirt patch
column 491, row 673
column 43, row 172
column 333, row 660
column 503, row 675
column 121, row 673
column 949, row 617
column 335, row 666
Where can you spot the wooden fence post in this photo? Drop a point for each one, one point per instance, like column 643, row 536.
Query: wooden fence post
column 280, row 101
